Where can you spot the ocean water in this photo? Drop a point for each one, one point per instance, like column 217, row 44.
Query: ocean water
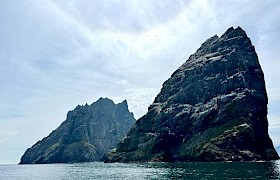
column 135, row 171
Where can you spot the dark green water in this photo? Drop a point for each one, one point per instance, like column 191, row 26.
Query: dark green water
column 97, row 170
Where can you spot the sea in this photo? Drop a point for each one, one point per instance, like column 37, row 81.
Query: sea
column 135, row 171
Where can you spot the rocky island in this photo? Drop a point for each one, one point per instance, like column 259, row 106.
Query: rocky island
column 87, row 134
column 213, row 108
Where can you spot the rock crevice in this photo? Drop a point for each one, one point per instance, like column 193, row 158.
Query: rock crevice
column 213, row 108
column 87, row 134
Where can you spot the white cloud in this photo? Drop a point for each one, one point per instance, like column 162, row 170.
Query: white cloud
column 274, row 126
column 274, row 120
column 57, row 54
column 138, row 99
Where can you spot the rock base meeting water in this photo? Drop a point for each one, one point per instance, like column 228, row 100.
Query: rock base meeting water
column 212, row 108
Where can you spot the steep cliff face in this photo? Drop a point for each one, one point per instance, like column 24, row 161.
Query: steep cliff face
column 86, row 135
column 213, row 108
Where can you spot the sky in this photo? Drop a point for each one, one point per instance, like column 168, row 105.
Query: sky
column 55, row 55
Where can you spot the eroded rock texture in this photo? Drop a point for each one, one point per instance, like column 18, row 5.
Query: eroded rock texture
column 86, row 135
column 213, row 108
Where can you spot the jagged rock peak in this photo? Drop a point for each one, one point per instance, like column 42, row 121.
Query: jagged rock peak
column 232, row 37
column 88, row 132
column 212, row 108
column 231, row 32
column 124, row 103
column 101, row 99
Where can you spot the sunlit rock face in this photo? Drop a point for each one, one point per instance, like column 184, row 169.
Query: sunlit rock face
column 86, row 135
column 213, row 108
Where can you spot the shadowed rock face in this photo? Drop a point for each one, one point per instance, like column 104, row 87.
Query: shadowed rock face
column 213, row 108
column 86, row 135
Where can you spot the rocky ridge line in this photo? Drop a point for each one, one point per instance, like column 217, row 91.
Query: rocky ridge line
column 212, row 108
column 86, row 135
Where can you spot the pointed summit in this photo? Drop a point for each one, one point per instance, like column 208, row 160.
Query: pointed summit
column 124, row 102
column 231, row 32
column 104, row 100
column 213, row 108
column 86, row 135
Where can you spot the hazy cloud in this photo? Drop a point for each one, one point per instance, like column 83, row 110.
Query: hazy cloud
column 57, row 54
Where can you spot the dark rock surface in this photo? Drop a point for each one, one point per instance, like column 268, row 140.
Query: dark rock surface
column 86, row 135
column 213, row 108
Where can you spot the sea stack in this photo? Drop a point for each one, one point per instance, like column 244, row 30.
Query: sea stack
column 213, row 108
column 87, row 134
